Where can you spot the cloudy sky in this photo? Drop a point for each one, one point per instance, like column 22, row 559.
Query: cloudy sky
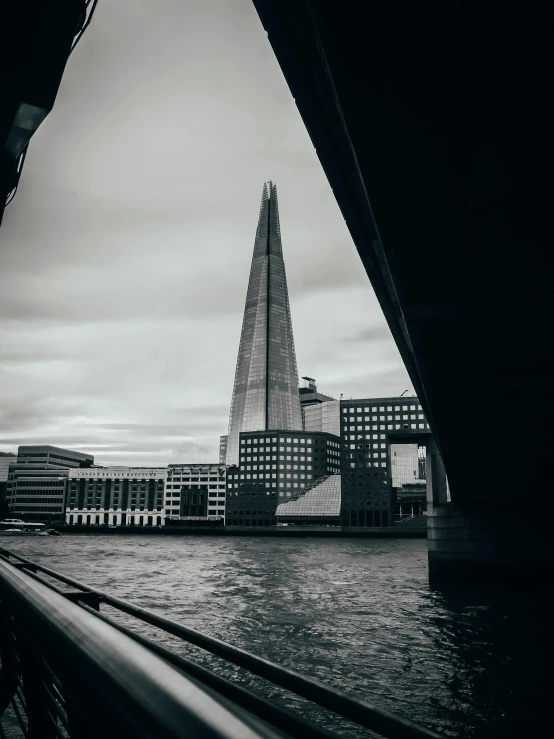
column 124, row 257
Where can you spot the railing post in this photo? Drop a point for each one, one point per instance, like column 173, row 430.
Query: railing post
column 8, row 673
column 79, row 727
column 40, row 721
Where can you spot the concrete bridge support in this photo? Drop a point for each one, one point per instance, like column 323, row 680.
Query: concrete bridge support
column 476, row 541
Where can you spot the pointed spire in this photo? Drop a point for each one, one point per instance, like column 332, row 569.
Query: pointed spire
column 265, row 394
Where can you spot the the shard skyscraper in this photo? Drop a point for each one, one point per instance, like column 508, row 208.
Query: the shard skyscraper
column 265, row 394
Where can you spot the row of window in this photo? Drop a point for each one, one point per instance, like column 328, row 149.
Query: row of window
column 253, row 476
column 89, row 507
column 274, row 467
column 273, row 458
column 42, row 483
column 382, row 419
column 396, row 427
column 97, row 520
column 274, row 441
column 353, row 465
column 387, row 427
column 383, row 408
column 34, row 501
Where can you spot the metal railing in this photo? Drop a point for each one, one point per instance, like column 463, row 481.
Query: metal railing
column 68, row 670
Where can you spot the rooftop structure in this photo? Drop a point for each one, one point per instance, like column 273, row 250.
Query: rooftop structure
column 318, row 503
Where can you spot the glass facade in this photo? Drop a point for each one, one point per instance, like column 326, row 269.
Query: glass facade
column 408, row 480
column 323, row 417
column 404, row 464
column 265, row 392
column 322, row 500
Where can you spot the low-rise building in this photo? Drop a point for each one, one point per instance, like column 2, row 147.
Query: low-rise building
column 37, row 482
column 195, row 493
column 116, row 496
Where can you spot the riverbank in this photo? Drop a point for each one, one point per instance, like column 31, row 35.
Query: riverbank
column 401, row 532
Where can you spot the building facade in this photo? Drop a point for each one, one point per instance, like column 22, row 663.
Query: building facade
column 222, row 449
column 53, row 455
column 37, row 482
column 319, row 412
column 195, row 493
column 265, row 392
column 323, row 417
column 367, row 490
column 273, row 466
column 5, row 461
column 409, row 489
column 116, row 496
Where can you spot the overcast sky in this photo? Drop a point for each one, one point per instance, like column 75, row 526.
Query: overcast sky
column 125, row 255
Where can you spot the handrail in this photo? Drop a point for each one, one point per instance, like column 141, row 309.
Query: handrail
column 148, row 696
column 353, row 709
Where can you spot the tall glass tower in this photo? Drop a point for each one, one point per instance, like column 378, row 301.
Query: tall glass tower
column 265, row 394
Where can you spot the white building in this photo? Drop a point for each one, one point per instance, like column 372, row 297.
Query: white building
column 196, row 492
column 118, row 496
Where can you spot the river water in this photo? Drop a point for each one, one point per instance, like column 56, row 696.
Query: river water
column 358, row 614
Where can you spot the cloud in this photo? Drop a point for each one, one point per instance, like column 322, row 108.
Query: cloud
column 371, row 333
column 126, row 253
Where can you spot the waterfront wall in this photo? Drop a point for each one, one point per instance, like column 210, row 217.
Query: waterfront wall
column 282, row 531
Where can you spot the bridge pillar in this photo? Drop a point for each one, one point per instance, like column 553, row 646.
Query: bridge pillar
column 476, row 541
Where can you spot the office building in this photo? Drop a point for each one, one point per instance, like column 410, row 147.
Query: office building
column 195, row 493
column 37, row 482
column 265, row 393
column 367, row 493
column 116, row 496
column 274, row 466
column 53, row 455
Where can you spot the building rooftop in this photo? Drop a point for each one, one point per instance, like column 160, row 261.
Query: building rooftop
column 321, row 498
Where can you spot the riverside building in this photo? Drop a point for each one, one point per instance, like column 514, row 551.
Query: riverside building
column 37, row 482
column 116, row 496
column 195, row 493
column 367, row 492
column 273, row 467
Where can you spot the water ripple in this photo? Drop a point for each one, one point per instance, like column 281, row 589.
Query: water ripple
column 356, row 613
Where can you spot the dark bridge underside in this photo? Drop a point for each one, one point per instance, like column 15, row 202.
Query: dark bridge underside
column 434, row 127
